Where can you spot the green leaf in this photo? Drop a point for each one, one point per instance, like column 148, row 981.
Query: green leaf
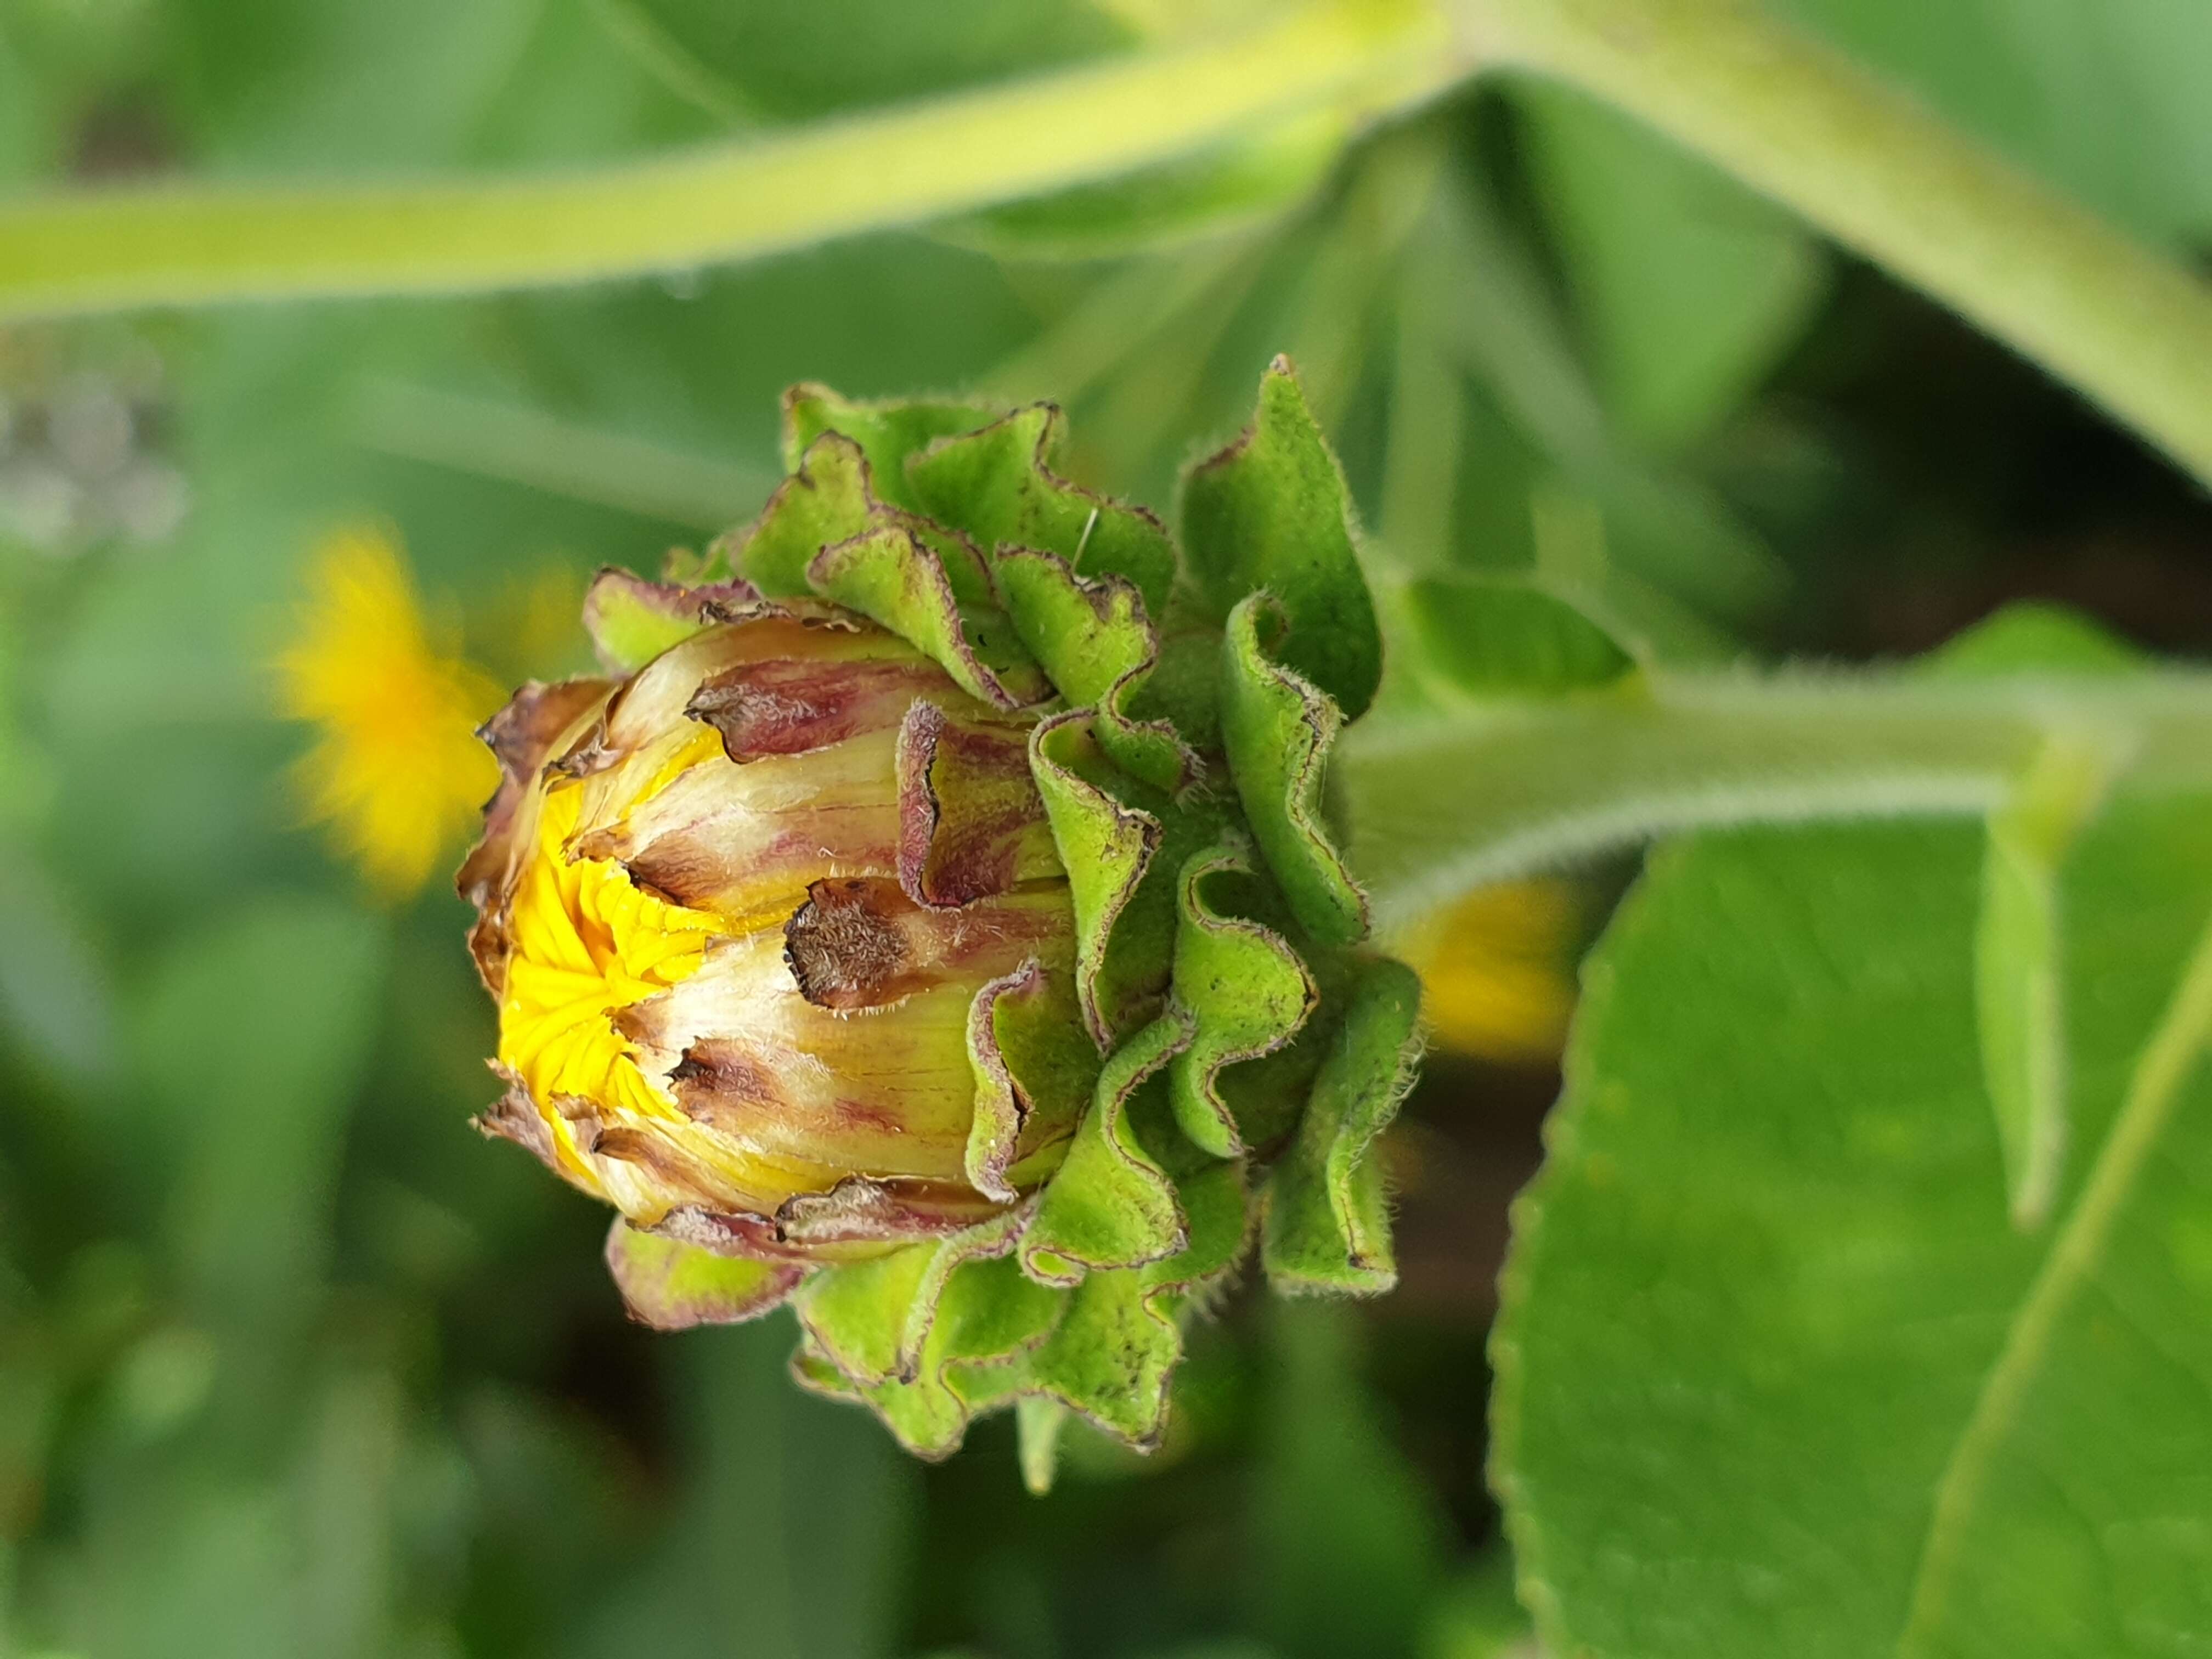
column 632, row 621
column 1327, row 1219
column 331, row 87
column 2017, row 947
column 2026, row 637
column 892, row 576
column 1036, row 1070
column 672, row 1285
column 1039, row 1423
column 826, row 499
column 1112, row 1204
column 1096, row 642
column 1112, row 1355
column 1278, row 731
column 1272, row 512
column 974, row 1359
column 1667, row 557
column 1108, row 847
column 998, row 486
column 929, row 1335
column 1479, row 1617
column 1776, row 1373
column 1122, row 844
column 1246, row 989
column 512, row 441
column 870, row 1317
column 1689, row 287
column 1502, row 638
column 2020, row 993
column 889, row 433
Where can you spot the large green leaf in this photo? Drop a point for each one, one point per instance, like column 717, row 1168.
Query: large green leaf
column 1777, row 1373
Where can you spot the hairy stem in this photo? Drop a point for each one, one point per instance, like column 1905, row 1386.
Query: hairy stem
column 1872, row 167
column 1440, row 805
column 104, row 249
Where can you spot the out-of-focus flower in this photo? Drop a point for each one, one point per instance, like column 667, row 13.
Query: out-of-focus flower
column 396, row 771
column 930, row 920
column 82, row 420
column 1497, row 970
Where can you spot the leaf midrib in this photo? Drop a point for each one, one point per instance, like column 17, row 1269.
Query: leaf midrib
column 2154, row 1090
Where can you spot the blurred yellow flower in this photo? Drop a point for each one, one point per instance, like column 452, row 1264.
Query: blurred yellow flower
column 1497, row 970
column 396, row 771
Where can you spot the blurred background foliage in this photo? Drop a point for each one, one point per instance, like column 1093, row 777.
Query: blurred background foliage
column 291, row 1362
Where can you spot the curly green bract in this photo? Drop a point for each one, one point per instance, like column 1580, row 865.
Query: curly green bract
column 1232, row 1046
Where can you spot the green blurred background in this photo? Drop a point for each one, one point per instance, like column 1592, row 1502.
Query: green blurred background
column 292, row 1363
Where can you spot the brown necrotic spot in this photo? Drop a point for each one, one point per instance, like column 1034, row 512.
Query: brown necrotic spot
column 860, row 942
column 971, row 822
column 716, row 1075
column 519, row 736
column 792, row 705
column 675, row 1173
column 846, row 946
column 861, row 1208
column 513, row 1117
column 676, row 871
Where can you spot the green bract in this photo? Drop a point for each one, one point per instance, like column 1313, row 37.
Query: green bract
column 1198, row 1058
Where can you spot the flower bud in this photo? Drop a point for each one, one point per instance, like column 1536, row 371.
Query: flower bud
column 934, row 922
column 736, row 911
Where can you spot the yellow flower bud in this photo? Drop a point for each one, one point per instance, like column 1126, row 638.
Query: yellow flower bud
column 737, row 911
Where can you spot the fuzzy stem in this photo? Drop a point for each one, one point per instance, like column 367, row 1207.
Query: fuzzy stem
column 1439, row 805
column 1871, row 167
column 186, row 244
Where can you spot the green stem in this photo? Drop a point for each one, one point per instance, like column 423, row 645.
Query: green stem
column 105, row 249
column 1557, row 780
column 1872, row 167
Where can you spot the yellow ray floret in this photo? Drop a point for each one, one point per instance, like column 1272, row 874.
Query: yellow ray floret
column 588, row 943
column 396, row 771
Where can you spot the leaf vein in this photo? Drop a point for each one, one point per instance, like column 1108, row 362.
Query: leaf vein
column 2153, row 1091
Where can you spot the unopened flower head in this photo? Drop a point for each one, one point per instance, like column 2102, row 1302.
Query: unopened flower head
column 732, row 1002
column 930, row 920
